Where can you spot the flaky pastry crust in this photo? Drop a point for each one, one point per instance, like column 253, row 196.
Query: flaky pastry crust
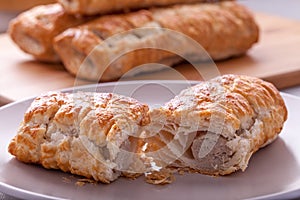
column 215, row 127
column 81, row 133
column 212, row 128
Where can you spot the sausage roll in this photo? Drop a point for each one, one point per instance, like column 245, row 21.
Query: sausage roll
column 215, row 127
column 83, row 133
column 86, row 7
column 223, row 29
column 212, row 128
column 34, row 30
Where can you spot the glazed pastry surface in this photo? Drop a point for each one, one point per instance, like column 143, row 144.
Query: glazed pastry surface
column 112, row 45
column 86, row 7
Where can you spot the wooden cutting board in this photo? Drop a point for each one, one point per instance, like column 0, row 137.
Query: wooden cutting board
column 275, row 58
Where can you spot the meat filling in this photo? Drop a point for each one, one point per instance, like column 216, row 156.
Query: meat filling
column 211, row 152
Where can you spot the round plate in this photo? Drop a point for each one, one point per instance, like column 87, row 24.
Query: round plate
column 273, row 172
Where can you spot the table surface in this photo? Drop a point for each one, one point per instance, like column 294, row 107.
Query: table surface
column 279, row 7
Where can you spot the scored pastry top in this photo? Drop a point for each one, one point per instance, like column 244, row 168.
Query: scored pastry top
column 86, row 7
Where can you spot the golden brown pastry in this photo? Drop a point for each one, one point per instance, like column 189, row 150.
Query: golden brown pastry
column 34, row 30
column 215, row 127
column 223, row 29
column 83, row 133
column 103, row 6
column 211, row 128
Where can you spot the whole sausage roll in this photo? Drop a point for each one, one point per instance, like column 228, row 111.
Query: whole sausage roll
column 223, row 29
column 34, row 30
column 86, row 7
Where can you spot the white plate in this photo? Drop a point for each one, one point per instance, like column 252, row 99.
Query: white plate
column 273, row 172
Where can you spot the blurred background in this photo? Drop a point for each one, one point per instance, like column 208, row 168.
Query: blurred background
column 10, row 8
